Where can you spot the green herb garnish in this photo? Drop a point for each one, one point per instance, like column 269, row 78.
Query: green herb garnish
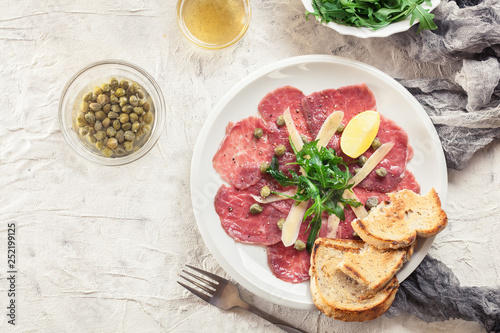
column 324, row 180
column 373, row 14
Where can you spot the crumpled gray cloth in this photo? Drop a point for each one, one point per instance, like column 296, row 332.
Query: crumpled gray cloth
column 465, row 110
column 433, row 293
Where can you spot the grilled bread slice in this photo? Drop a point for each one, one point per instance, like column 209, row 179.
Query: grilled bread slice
column 374, row 267
column 336, row 294
column 397, row 223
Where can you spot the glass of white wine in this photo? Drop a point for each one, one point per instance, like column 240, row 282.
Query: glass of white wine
column 213, row 24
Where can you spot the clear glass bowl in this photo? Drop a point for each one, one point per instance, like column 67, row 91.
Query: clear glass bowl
column 96, row 74
column 197, row 20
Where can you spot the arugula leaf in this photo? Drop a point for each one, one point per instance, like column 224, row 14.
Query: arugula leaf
column 373, row 14
column 324, row 180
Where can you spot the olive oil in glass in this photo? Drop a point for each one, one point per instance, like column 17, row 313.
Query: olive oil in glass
column 213, row 23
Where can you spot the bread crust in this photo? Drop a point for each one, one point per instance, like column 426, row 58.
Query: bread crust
column 337, row 295
column 396, row 223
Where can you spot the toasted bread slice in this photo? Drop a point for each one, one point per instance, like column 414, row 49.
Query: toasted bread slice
column 397, row 223
column 337, row 295
column 374, row 267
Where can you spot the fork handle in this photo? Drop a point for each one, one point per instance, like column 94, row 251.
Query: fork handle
column 278, row 322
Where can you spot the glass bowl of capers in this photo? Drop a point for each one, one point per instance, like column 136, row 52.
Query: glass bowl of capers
column 112, row 112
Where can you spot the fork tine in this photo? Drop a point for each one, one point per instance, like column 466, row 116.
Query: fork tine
column 213, row 276
column 201, row 295
column 210, row 283
column 199, row 285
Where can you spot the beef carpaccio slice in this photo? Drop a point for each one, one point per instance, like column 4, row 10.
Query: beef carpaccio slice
column 289, row 264
column 273, row 105
column 240, row 154
column 233, row 207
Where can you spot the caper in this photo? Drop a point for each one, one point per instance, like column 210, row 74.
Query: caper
column 133, row 88
column 280, row 121
column 124, row 84
column 133, row 117
column 281, row 222
column 376, row 144
column 113, row 83
column 92, row 130
column 98, row 90
column 120, row 150
column 98, row 125
column 112, row 115
column 265, row 191
column 299, row 245
column 280, row 150
column 126, row 126
column 258, row 133
column 116, row 124
column 148, row 117
column 127, row 108
column 84, row 130
column 107, row 152
column 100, row 135
column 84, row 107
column 99, row 145
column 106, row 88
column 304, row 138
column 146, row 106
column 124, row 118
column 146, row 128
column 120, row 136
column 113, row 99
column 128, row 145
column 142, row 102
column 129, row 136
column 381, row 172
column 95, row 106
column 263, row 167
column 120, row 92
column 106, row 108
column 362, row 160
column 133, row 100
column 371, row 202
column 136, row 126
column 106, row 122
column 116, row 108
column 80, row 121
column 102, row 99
column 256, row 208
column 112, row 143
column 138, row 110
column 111, row 131
column 341, row 128
column 90, row 118
column 141, row 94
column 100, row 115
column 88, row 97
column 91, row 138
column 123, row 101
column 356, row 170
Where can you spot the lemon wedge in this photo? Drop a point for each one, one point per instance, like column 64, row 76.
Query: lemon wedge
column 359, row 133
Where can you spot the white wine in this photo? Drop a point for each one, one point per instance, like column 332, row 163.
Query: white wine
column 216, row 22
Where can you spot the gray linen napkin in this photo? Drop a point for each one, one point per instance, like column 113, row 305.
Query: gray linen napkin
column 466, row 113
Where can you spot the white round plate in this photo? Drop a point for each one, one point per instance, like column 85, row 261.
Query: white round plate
column 247, row 264
column 368, row 33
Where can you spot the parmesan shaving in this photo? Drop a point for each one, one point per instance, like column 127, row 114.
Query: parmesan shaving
column 329, row 128
column 291, row 227
column 333, row 225
column 292, row 130
column 273, row 197
column 371, row 163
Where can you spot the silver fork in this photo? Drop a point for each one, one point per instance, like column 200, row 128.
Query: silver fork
column 225, row 295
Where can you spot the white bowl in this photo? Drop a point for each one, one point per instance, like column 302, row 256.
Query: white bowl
column 368, row 33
